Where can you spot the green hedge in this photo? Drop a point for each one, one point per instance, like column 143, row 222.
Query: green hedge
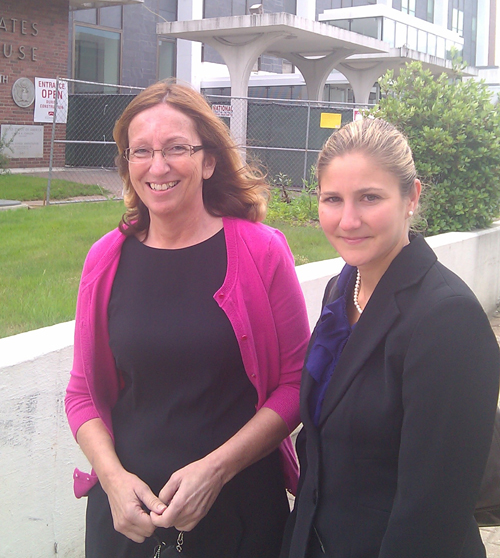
column 454, row 132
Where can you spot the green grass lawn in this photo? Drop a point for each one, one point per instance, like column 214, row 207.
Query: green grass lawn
column 28, row 188
column 42, row 255
column 43, row 251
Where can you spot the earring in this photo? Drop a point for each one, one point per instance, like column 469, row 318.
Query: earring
column 410, row 213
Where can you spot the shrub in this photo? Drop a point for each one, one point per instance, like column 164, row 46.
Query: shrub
column 295, row 208
column 454, row 132
column 4, row 160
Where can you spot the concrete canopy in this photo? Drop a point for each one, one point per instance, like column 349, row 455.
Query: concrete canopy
column 314, row 47
column 362, row 71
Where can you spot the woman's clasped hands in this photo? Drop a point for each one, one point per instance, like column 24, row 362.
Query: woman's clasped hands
column 184, row 500
column 189, row 494
column 131, row 501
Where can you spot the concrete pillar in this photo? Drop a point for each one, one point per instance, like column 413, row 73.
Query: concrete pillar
column 189, row 52
column 315, row 71
column 240, row 58
column 362, row 80
column 306, row 9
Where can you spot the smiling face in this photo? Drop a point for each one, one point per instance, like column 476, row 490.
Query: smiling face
column 363, row 213
column 169, row 189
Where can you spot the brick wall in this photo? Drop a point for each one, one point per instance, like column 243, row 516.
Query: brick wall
column 33, row 43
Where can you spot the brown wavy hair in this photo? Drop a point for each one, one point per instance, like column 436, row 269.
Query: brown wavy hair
column 235, row 189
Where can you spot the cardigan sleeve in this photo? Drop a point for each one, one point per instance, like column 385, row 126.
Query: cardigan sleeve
column 93, row 384
column 291, row 326
column 450, row 390
column 78, row 402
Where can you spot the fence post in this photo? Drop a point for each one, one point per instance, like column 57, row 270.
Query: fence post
column 238, row 124
column 304, row 178
column 51, row 160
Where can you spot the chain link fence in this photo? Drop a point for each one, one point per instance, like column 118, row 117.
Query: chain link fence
column 88, row 112
column 283, row 136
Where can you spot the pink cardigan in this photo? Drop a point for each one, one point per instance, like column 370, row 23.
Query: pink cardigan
column 263, row 300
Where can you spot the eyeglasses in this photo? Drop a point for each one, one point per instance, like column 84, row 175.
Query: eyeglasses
column 169, row 153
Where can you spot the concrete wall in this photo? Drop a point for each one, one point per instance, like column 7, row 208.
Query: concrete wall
column 39, row 516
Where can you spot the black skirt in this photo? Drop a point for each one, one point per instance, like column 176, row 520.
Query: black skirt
column 246, row 521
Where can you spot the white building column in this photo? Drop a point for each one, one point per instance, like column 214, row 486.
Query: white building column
column 315, row 71
column 189, row 52
column 362, row 80
column 240, row 57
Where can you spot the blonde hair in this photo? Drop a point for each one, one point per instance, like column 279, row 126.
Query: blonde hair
column 235, row 189
column 376, row 139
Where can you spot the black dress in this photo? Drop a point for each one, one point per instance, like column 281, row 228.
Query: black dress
column 185, row 393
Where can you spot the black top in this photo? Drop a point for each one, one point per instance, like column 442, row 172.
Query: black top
column 186, row 391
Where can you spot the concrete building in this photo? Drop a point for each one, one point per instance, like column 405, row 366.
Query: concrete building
column 142, row 43
column 292, row 49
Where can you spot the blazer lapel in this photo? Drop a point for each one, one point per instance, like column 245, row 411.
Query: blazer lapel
column 407, row 269
column 378, row 318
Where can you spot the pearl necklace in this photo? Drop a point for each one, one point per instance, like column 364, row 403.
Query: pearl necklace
column 356, row 293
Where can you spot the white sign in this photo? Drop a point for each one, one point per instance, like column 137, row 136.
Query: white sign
column 22, row 142
column 223, row 111
column 45, row 94
column 356, row 115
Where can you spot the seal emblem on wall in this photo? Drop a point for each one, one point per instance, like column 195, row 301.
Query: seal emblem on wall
column 23, row 92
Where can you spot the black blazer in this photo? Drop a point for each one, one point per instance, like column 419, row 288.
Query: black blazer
column 394, row 467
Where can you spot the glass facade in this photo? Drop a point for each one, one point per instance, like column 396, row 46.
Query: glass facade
column 398, row 34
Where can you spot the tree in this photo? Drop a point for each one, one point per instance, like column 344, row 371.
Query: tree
column 454, row 132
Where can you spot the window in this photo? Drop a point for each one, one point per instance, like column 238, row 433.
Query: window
column 441, row 47
column 111, row 17
column 97, row 56
column 368, row 26
column 422, row 41
column 401, row 30
column 166, row 59
column 412, row 38
column 408, row 7
column 430, row 11
column 97, row 48
column 431, row 44
column 389, row 31
column 457, row 16
column 86, row 16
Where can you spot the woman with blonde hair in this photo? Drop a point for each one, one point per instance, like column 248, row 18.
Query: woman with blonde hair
column 400, row 382
column 190, row 332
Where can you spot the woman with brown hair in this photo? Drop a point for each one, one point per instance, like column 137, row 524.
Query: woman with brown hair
column 190, row 331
